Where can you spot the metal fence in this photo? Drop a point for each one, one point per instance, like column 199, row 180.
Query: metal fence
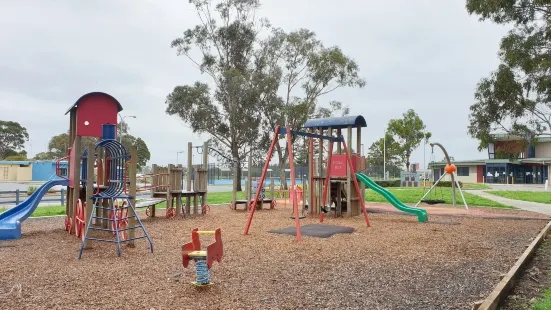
column 19, row 196
column 219, row 174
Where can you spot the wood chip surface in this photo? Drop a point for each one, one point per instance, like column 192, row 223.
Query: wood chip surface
column 398, row 263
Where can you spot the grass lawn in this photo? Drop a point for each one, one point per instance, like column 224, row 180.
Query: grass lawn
column 542, row 197
column 476, row 186
column 412, row 196
column 544, row 303
column 406, row 195
column 45, row 211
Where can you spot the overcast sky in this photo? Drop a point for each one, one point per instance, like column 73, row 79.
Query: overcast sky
column 424, row 54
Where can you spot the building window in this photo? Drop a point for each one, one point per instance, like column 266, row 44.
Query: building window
column 491, row 151
column 463, row 171
column 5, row 173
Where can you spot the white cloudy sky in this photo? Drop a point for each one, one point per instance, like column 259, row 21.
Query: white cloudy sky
column 423, row 54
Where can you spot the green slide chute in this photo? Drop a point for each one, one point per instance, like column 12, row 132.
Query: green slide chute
column 422, row 214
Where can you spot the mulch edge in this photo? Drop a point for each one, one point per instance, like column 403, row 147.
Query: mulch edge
column 507, row 283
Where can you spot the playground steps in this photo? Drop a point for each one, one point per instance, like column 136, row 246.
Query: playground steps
column 334, row 188
column 118, row 221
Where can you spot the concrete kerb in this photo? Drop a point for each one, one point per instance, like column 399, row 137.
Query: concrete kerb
column 507, row 283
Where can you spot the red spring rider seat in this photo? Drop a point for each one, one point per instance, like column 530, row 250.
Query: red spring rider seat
column 203, row 259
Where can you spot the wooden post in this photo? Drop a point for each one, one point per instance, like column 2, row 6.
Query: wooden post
column 348, row 174
column 328, row 169
column 339, row 145
column 311, row 186
column 188, row 176
column 171, row 187
column 250, row 180
column 206, row 167
column 235, row 180
column 89, row 187
column 359, row 151
column 76, row 183
column 320, row 169
column 132, row 174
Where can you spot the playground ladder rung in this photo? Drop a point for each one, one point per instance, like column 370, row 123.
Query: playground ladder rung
column 136, row 238
column 112, row 220
column 104, row 208
column 103, row 240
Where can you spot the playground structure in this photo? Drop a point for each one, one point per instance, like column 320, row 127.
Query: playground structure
column 102, row 177
column 251, row 188
column 203, row 259
column 167, row 183
column 341, row 169
column 450, row 169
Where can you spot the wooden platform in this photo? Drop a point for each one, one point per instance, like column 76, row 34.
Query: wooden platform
column 259, row 203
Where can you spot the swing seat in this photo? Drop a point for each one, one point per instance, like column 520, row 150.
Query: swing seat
column 433, row 201
column 300, row 217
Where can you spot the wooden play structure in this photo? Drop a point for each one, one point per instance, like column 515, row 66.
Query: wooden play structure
column 203, row 259
column 102, row 176
column 251, row 187
column 342, row 192
column 336, row 183
column 167, row 183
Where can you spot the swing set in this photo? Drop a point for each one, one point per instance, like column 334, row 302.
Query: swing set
column 451, row 170
column 293, row 189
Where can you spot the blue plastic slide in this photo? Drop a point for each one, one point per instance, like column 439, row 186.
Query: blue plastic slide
column 10, row 221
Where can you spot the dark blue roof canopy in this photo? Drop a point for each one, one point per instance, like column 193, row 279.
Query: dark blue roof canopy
column 336, row 122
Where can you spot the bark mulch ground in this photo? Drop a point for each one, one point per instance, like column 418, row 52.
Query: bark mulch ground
column 398, row 263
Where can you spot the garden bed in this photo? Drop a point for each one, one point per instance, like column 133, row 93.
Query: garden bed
column 398, row 263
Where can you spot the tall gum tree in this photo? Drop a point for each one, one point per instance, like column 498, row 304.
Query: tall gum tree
column 516, row 97
column 302, row 70
column 226, row 41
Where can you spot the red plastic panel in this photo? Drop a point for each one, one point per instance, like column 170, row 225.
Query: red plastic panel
column 338, row 166
column 92, row 112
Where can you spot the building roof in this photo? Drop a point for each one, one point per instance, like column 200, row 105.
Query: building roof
column 336, row 122
column 475, row 162
column 480, row 162
column 92, row 94
column 15, row 162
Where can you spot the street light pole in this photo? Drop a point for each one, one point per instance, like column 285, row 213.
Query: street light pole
column 384, row 156
column 122, row 122
column 177, row 156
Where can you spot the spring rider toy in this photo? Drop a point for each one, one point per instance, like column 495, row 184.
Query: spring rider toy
column 203, row 259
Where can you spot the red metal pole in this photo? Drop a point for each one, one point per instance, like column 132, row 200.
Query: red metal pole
column 292, row 191
column 355, row 182
column 266, row 165
column 327, row 176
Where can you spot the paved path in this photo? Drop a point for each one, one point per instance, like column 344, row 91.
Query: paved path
column 542, row 208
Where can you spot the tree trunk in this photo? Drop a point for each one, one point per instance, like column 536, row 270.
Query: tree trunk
column 239, row 174
column 238, row 170
column 282, row 173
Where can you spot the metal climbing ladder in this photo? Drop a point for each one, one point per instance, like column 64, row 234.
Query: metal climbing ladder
column 116, row 229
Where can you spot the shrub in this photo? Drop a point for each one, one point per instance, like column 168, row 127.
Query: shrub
column 448, row 184
column 31, row 190
column 388, row 183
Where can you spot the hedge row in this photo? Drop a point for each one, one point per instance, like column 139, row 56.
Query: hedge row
column 396, row 183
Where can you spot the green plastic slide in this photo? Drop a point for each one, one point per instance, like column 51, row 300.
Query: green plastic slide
column 422, row 214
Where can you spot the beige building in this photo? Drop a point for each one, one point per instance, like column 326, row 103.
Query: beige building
column 16, row 171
